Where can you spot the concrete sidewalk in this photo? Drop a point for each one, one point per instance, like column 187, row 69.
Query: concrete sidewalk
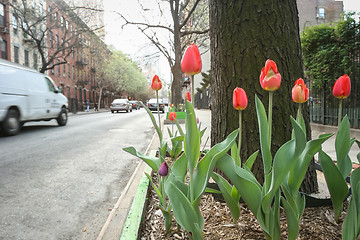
column 115, row 223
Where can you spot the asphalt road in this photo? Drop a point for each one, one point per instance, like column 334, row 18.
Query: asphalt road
column 62, row 182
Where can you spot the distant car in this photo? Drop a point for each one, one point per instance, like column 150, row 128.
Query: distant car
column 141, row 104
column 152, row 105
column 120, row 105
column 135, row 105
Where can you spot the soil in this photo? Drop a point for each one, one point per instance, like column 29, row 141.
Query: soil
column 316, row 222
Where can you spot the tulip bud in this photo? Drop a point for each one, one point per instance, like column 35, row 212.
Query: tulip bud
column 342, row 87
column 187, row 96
column 164, row 169
column 191, row 63
column 300, row 93
column 156, row 83
column 172, row 116
column 240, row 99
column 270, row 78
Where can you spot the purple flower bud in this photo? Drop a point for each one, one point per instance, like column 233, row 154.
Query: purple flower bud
column 164, row 169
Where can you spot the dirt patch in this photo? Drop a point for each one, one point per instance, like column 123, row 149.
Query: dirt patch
column 316, row 222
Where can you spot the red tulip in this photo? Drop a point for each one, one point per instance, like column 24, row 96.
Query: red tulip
column 342, row 87
column 270, row 78
column 172, row 116
column 240, row 99
column 187, row 96
column 164, row 169
column 156, row 83
column 191, row 62
column 300, row 93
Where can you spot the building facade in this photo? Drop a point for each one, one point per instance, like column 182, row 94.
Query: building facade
column 49, row 37
column 315, row 12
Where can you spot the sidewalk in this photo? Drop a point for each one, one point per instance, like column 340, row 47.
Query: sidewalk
column 115, row 223
column 89, row 112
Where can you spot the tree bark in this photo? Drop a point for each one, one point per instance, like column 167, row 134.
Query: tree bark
column 243, row 35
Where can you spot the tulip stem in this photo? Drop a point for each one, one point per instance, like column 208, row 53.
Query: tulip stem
column 192, row 90
column 240, row 130
column 340, row 112
column 158, row 109
column 270, row 116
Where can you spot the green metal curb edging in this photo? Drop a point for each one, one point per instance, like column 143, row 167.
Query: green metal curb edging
column 135, row 216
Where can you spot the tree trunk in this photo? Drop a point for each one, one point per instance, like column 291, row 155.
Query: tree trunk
column 176, row 68
column 244, row 34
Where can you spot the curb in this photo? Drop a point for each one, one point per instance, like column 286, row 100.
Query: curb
column 135, row 216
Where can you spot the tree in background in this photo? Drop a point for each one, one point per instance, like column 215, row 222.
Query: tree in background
column 329, row 52
column 124, row 75
column 189, row 22
column 38, row 24
column 244, row 34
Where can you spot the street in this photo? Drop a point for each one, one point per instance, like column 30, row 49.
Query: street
column 62, row 182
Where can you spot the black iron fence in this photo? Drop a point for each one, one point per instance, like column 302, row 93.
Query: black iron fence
column 324, row 106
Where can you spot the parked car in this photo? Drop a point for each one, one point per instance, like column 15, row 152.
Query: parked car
column 141, row 104
column 27, row 95
column 152, row 105
column 135, row 105
column 120, row 105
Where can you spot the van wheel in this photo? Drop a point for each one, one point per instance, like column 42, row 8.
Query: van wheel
column 11, row 125
column 62, row 118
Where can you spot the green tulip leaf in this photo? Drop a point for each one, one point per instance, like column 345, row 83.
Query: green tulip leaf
column 226, row 190
column 283, row 161
column 244, row 181
column 153, row 162
column 211, row 190
column 349, row 225
column 297, row 173
column 184, row 212
column 179, row 128
column 207, row 164
column 336, row 184
column 250, row 161
column 235, row 155
column 292, row 219
column 153, row 122
column 264, row 135
column 342, row 147
column 192, row 137
column 179, row 168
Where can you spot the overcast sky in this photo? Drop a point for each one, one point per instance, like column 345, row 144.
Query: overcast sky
column 132, row 42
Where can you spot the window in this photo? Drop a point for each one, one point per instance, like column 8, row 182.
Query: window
column 53, row 69
column 67, row 26
column 51, row 39
column 58, row 67
column 33, row 3
column 15, row 25
column 50, row 14
column 26, row 55
column 64, row 70
column 69, row 70
column 3, row 49
column 2, row 14
column 35, row 56
column 57, row 41
column 62, row 22
column 73, row 72
column 321, row 12
column 16, row 54
column 41, row 8
column 50, row 85
column 56, row 18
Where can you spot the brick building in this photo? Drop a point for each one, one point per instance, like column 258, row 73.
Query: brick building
column 42, row 34
column 314, row 12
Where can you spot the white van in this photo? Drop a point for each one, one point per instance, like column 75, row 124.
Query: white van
column 27, row 95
